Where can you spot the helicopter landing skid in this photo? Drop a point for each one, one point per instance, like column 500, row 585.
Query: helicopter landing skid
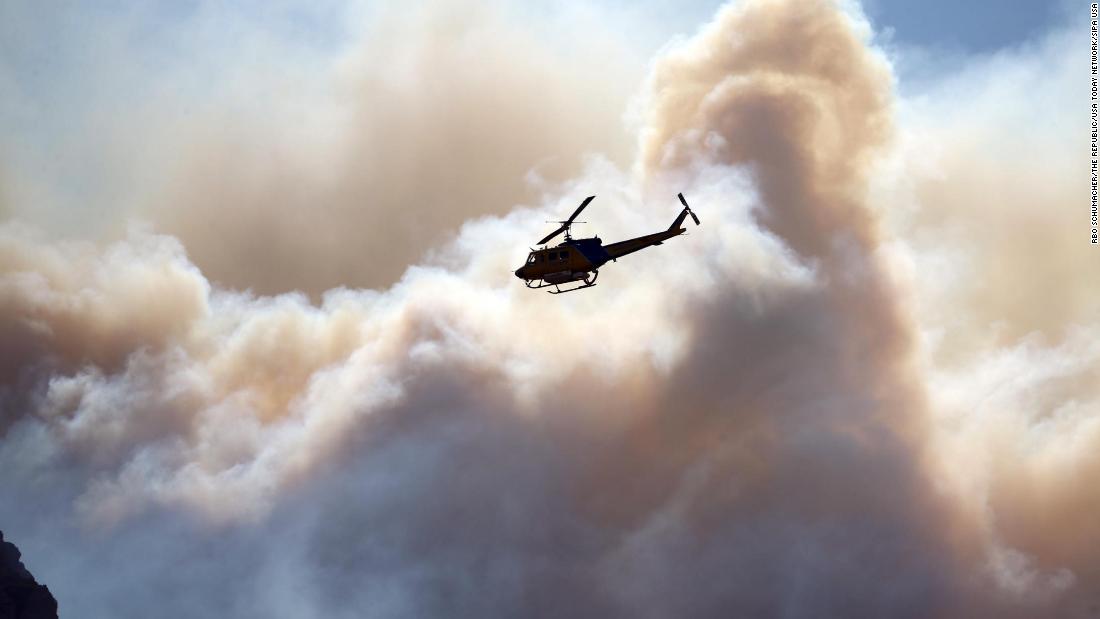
column 588, row 283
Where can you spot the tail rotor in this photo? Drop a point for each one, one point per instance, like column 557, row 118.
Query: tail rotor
column 688, row 208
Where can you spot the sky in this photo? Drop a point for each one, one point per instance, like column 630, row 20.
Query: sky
column 264, row 354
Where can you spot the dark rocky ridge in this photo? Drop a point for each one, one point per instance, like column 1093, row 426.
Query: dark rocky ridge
column 21, row 597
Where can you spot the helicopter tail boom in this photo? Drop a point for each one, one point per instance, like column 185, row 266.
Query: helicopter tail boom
column 679, row 221
column 629, row 246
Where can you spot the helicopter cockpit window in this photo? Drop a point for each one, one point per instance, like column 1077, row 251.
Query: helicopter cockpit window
column 531, row 259
column 565, row 255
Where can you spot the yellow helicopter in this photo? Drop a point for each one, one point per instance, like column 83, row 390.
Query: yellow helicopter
column 579, row 260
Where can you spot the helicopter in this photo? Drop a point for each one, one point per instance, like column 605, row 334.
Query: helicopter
column 579, row 260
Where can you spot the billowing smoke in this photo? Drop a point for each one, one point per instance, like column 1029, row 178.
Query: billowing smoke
column 826, row 401
column 446, row 112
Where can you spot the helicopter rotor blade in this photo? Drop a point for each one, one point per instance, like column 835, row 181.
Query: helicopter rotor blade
column 552, row 235
column 568, row 222
column 580, row 208
column 690, row 212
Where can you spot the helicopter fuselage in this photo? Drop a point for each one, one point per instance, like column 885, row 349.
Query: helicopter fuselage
column 575, row 258
column 572, row 256
column 579, row 260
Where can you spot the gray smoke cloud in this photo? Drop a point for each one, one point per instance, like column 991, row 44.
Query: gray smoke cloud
column 444, row 112
column 776, row 416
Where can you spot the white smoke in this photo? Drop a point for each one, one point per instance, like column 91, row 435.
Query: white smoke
column 856, row 366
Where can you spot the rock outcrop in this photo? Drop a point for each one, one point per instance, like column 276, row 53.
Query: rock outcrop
column 21, row 597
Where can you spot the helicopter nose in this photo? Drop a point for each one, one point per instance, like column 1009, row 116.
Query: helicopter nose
column 519, row 272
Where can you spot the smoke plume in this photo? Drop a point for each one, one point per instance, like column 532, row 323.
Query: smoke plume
column 828, row 400
column 477, row 107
